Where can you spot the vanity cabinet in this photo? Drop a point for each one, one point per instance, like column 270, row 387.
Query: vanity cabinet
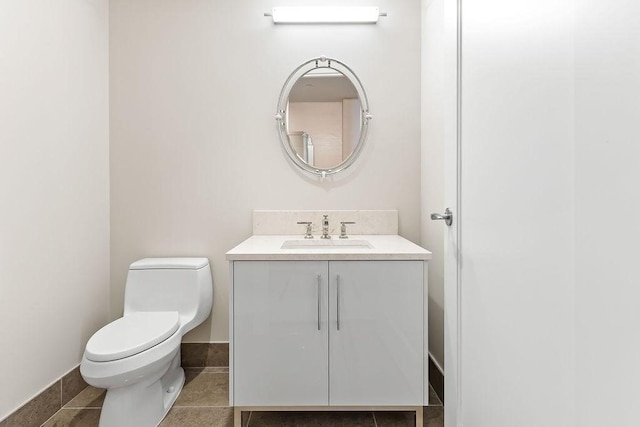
column 376, row 331
column 328, row 333
column 280, row 354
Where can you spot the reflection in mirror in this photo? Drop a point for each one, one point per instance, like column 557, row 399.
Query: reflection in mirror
column 302, row 145
column 323, row 116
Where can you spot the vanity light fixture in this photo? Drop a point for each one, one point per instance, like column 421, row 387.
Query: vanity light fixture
column 325, row 15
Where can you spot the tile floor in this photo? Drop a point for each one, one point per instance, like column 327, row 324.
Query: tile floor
column 204, row 401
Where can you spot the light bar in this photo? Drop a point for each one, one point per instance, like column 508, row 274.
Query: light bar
column 325, row 15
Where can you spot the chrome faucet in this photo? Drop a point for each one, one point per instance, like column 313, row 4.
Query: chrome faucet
column 343, row 229
column 308, row 234
column 325, row 227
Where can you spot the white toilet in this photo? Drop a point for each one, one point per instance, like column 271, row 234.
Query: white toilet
column 137, row 357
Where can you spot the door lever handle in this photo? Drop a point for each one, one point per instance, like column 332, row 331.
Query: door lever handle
column 447, row 217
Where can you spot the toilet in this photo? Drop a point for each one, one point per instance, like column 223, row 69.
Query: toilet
column 137, row 357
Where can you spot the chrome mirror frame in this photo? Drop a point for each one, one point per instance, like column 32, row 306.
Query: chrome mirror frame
column 312, row 64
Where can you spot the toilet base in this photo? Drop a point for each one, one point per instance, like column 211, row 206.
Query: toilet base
column 144, row 403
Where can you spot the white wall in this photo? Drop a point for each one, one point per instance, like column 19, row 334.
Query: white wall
column 54, row 220
column 432, row 166
column 607, row 173
column 194, row 148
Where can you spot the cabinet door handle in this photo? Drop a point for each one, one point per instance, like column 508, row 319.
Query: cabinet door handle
column 338, row 302
column 319, row 289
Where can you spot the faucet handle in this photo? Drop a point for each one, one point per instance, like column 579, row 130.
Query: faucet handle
column 343, row 229
column 308, row 234
column 325, row 227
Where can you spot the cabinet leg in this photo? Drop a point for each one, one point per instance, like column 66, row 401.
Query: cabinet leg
column 237, row 417
column 419, row 416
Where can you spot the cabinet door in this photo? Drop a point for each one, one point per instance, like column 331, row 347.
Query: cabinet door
column 280, row 333
column 376, row 333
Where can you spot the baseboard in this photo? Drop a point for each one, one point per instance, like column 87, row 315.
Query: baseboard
column 49, row 401
column 208, row 354
column 204, row 354
column 436, row 378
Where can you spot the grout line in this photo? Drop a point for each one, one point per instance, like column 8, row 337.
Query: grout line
column 205, row 367
column 201, row 406
column 47, row 420
column 212, row 373
column 174, row 406
column 61, row 409
column 79, row 408
column 200, row 367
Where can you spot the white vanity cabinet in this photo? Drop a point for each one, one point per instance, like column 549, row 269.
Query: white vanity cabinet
column 376, row 332
column 328, row 333
column 280, row 334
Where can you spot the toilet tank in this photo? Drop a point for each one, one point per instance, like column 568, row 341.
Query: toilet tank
column 171, row 284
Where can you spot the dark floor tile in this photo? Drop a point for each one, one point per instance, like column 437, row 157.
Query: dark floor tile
column 37, row 410
column 433, row 416
column 72, row 384
column 204, row 389
column 204, row 402
column 395, row 418
column 311, row 419
column 218, row 354
column 246, row 415
column 90, row 397
column 198, row 417
column 87, row 417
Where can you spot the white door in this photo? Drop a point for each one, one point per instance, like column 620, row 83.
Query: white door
column 541, row 288
column 508, row 255
column 376, row 332
column 280, row 333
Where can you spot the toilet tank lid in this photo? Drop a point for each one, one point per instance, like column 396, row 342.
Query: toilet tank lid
column 175, row 263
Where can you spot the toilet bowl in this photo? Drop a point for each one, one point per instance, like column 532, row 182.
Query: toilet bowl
column 137, row 357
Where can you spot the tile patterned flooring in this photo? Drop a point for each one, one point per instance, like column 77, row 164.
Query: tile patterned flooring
column 204, row 401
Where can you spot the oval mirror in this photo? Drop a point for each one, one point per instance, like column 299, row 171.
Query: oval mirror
column 322, row 116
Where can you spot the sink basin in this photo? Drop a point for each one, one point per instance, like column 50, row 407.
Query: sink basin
column 326, row 244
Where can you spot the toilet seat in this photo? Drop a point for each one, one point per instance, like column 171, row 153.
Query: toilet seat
column 131, row 334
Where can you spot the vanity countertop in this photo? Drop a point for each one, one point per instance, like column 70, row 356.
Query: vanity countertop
column 381, row 247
